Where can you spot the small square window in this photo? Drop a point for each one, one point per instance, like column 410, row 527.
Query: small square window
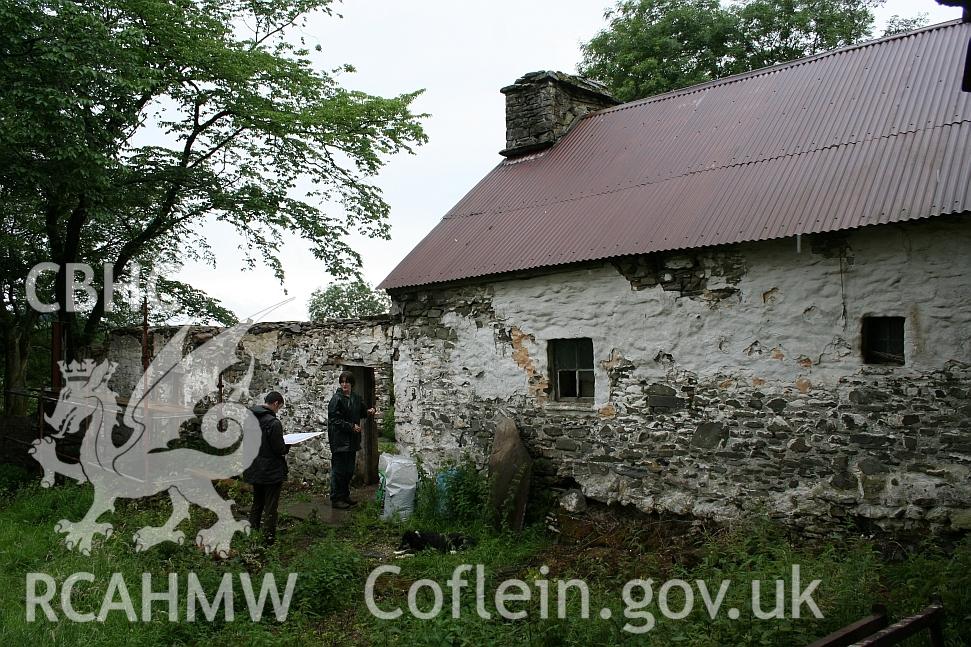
column 571, row 363
column 883, row 340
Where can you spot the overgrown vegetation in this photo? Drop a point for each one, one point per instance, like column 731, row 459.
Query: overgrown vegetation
column 454, row 498
column 12, row 478
column 333, row 564
column 387, row 424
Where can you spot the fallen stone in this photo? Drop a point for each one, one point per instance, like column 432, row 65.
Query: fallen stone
column 573, row 501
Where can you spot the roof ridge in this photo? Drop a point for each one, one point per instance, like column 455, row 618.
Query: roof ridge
column 742, row 76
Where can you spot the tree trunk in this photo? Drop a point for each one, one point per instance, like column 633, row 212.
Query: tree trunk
column 16, row 347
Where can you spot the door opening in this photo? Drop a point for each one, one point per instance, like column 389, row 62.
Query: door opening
column 366, row 468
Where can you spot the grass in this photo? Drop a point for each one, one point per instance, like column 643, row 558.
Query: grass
column 333, row 564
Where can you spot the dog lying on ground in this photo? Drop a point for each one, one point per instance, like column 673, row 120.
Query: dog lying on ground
column 415, row 541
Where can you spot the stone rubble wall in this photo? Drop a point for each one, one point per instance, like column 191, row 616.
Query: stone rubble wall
column 728, row 380
column 301, row 360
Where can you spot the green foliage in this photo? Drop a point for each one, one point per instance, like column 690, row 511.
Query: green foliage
column 12, row 478
column 457, row 495
column 387, row 424
column 502, row 556
column 328, row 603
column 347, row 300
column 654, row 46
column 129, row 125
column 331, row 578
column 899, row 24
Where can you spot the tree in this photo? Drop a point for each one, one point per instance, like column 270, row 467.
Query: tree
column 128, row 126
column 347, row 300
column 654, row 46
column 898, row 24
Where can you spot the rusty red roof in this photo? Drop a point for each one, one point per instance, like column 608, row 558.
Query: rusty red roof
column 874, row 133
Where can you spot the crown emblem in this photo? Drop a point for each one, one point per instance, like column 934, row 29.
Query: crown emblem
column 77, row 370
column 83, row 371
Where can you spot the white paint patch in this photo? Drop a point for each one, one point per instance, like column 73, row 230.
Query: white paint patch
column 481, row 362
column 922, row 275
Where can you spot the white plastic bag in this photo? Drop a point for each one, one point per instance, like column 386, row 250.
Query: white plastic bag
column 400, row 477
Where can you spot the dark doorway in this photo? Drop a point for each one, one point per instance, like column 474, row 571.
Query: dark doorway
column 367, row 459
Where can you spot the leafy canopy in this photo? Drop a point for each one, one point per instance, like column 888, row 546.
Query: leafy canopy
column 347, row 300
column 655, row 46
column 130, row 127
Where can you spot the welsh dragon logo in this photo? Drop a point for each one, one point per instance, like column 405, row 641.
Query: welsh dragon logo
column 143, row 465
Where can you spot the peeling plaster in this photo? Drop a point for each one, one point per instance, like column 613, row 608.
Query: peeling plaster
column 772, row 358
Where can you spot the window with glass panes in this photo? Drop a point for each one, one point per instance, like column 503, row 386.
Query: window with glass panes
column 571, row 361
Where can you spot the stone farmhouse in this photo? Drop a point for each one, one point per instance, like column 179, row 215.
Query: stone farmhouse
column 751, row 295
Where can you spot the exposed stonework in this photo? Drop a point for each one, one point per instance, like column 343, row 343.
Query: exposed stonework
column 710, row 275
column 542, row 106
column 300, row 359
column 757, row 400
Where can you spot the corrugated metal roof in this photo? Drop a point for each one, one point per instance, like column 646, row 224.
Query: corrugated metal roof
column 869, row 134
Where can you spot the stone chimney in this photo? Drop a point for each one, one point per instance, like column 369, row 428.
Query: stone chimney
column 541, row 107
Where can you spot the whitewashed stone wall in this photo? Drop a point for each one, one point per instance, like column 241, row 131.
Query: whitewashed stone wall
column 727, row 380
column 301, row 360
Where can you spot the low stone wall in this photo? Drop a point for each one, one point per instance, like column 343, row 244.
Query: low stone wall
column 728, row 381
column 301, row 360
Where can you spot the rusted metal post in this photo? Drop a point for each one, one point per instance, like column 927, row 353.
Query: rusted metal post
column 146, row 357
column 221, row 425
column 145, row 354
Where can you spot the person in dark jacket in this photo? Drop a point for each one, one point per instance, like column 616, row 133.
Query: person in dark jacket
column 269, row 468
column 344, row 414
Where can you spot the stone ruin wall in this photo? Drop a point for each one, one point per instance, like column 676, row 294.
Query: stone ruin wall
column 728, row 380
column 301, row 360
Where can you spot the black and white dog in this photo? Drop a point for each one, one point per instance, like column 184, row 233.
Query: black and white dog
column 415, row 541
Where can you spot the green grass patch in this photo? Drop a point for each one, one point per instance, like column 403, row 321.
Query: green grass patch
column 333, row 564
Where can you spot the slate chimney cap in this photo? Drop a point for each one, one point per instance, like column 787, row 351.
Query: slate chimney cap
column 577, row 82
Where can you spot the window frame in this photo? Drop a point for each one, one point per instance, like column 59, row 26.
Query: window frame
column 577, row 368
column 880, row 330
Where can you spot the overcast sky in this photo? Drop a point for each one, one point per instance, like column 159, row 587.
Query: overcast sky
column 461, row 52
